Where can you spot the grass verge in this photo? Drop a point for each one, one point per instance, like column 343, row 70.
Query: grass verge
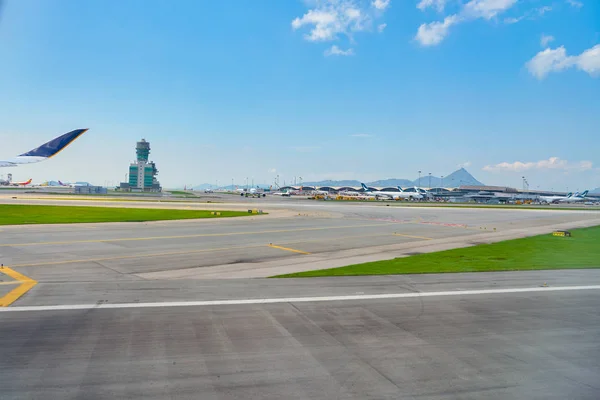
column 582, row 250
column 181, row 193
column 33, row 214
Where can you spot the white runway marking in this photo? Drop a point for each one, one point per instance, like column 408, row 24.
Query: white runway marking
column 296, row 299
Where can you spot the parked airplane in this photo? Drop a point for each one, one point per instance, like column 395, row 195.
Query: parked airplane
column 576, row 198
column 418, row 194
column 27, row 182
column 392, row 195
column 73, row 185
column 554, row 199
column 45, row 151
column 252, row 192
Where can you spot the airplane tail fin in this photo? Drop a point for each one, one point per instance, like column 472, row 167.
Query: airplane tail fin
column 584, row 193
column 400, row 189
column 569, row 194
column 366, row 189
column 55, row 146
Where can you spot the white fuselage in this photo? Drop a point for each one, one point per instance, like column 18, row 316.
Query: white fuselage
column 397, row 195
column 573, row 199
column 553, row 199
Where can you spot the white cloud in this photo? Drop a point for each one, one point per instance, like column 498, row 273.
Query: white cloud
column 381, row 27
column 556, row 60
column 553, row 163
column 437, row 4
column 575, row 3
column 336, row 51
column 589, row 60
column 362, row 135
column 545, row 39
column 272, row 170
column 381, row 4
column 329, row 19
column 466, row 164
column 530, row 15
column 434, row 32
column 486, row 9
column 513, row 20
column 543, row 10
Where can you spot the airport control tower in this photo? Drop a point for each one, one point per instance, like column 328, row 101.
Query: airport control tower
column 142, row 173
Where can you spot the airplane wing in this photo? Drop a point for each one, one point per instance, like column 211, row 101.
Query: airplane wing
column 45, row 151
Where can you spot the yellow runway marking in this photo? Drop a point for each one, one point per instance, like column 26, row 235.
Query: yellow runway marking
column 10, row 283
column 287, row 249
column 134, row 256
column 179, row 253
column 196, row 235
column 413, row 236
column 26, row 284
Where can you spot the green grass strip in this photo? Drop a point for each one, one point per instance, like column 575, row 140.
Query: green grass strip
column 582, row 250
column 34, row 214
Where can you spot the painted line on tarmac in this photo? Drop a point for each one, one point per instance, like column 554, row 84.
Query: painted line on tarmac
column 9, row 283
column 180, row 253
column 412, row 236
column 25, row 286
column 134, row 256
column 169, row 304
column 287, row 249
column 321, row 228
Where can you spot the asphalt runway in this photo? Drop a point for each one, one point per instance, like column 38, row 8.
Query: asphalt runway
column 534, row 344
column 166, row 309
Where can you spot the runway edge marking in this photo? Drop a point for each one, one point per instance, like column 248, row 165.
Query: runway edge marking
column 296, row 299
column 26, row 285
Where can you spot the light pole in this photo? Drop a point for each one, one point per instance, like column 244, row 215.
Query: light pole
column 232, row 184
column 430, row 181
column 419, row 179
column 442, row 185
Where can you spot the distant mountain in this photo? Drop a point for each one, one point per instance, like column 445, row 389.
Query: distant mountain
column 595, row 191
column 458, row 178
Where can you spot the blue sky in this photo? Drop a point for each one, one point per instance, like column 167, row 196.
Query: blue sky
column 344, row 89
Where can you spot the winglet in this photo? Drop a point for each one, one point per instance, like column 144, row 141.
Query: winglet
column 55, row 146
